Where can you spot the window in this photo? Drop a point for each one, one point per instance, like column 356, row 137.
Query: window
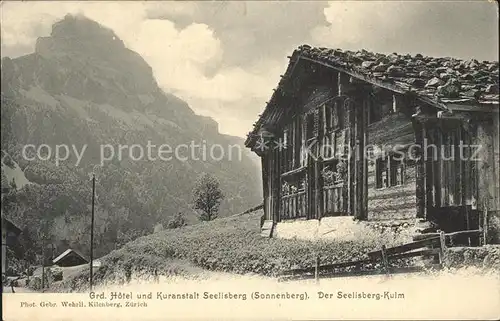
column 293, row 184
column 390, row 172
column 334, row 172
column 329, row 173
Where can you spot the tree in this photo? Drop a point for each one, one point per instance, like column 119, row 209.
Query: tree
column 13, row 185
column 207, row 197
column 176, row 221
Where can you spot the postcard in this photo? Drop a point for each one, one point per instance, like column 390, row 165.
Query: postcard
column 250, row 160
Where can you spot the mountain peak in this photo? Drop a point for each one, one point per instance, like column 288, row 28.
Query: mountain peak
column 77, row 32
column 88, row 57
column 81, row 27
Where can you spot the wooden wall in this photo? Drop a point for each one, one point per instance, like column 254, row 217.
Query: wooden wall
column 373, row 116
column 396, row 202
column 487, row 167
column 394, row 130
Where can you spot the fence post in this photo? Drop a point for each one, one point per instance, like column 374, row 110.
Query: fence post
column 442, row 250
column 316, row 269
column 385, row 261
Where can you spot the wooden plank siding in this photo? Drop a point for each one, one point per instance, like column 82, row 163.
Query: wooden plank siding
column 394, row 130
column 392, row 202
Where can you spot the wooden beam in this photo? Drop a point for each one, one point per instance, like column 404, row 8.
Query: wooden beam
column 485, row 224
column 359, row 206
column 405, row 247
column 316, row 272
column 429, row 176
column 385, row 261
column 467, row 177
column 265, row 185
column 420, row 169
column 449, row 236
column 442, row 172
column 388, row 171
column 493, row 108
column 318, row 208
column 366, row 113
column 442, row 252
column 343, row 84
column 351, row 140
column 458, row 167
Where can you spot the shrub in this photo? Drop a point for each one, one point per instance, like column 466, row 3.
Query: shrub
column 176, row 221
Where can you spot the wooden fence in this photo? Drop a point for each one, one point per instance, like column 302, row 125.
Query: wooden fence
column 433, row 245
column 293, row 205
column 333, row 200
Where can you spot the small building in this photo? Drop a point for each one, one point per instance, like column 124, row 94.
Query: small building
column 379, row 137
column 5, row 186
column 10, row 233
column 70, row 257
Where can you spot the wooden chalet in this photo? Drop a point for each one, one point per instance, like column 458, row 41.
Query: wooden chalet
column 70, row 257
column 378, row 137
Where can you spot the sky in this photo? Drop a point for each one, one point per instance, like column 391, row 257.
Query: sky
column 225, row 58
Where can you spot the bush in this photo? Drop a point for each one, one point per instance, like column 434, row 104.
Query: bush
column 35, row 283
column 176, row 221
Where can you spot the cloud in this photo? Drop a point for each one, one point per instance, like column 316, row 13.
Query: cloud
column 354, row 23
column 448, row 28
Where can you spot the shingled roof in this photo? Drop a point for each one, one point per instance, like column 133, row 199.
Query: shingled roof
column 446, row 79
column 437, row 81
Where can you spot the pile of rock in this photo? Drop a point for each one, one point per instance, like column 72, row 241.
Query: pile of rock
column 396, row 227
column 487, row 256
column 446, row 77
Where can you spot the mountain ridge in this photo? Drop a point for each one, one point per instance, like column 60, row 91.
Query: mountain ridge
column 92, row 91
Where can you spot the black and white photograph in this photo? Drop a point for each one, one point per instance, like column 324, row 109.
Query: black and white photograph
column 250, row 160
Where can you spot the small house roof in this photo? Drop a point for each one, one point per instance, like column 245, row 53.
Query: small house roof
column 66, row 253
column 10, row 226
